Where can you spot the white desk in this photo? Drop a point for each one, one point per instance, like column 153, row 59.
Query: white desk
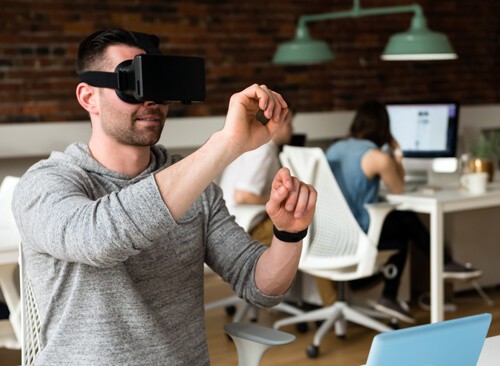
column 437, row 205
column 490, row 354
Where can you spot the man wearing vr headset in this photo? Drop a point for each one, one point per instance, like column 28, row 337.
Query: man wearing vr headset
column 116, row 232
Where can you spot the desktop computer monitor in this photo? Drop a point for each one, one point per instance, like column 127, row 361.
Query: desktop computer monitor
column 424, row 130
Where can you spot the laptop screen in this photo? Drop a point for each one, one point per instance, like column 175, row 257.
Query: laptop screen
column 452, row 342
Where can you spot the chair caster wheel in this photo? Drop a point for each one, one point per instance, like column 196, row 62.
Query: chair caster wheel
column 302, row 327
column 231, row 310
column 341, row 336
column 394, row 324
column 312, row 351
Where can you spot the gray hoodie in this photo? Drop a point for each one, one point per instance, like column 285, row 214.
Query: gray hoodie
column 117, row 280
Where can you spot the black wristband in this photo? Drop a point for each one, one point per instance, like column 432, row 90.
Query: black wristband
column 289, row 237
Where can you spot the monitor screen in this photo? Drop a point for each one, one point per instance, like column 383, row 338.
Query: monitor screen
column 425, row 129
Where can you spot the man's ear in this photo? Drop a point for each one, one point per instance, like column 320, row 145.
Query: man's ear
column 87, row 97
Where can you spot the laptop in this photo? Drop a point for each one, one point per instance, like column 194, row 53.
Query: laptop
column 456, row 342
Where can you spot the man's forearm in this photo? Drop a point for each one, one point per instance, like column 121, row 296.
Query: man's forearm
column 183, row 182
column 277, row 266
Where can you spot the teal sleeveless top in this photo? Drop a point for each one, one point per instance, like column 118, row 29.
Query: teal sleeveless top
column 344, row 158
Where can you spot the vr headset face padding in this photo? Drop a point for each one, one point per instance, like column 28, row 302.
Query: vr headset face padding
column 126, row 90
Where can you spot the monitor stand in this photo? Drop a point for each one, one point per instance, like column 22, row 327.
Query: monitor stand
column 416, row 177
column 417, row 172
column 423, row 174
column 414, row 180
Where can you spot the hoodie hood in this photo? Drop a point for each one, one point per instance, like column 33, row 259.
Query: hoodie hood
column 77, row 155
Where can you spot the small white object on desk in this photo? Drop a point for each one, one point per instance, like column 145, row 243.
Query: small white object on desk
column 475, row 183
column 429, row 189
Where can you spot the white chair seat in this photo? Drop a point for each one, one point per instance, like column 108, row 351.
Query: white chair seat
column 252, row 340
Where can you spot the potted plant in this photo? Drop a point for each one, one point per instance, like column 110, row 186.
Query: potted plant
column 485, row 153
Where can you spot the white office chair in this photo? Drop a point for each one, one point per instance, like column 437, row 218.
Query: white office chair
column 9, row 243
column 246, row 216
column 336, row 247
column 23, row 310
column 252, row 340
column 29, row 316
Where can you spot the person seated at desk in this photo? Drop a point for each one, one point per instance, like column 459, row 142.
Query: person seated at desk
column 359, row 163
column 248, row 179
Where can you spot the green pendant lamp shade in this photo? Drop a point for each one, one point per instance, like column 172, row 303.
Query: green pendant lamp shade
column 418, row 44
column 303, row 49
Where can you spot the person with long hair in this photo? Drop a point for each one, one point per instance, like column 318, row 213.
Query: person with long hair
column 359, row 162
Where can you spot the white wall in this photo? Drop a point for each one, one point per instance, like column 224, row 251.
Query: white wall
column 21, row 144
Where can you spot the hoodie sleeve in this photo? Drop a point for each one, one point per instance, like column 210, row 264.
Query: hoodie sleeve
column 231, row 252
column 56, row 214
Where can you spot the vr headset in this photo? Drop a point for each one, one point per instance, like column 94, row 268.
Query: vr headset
column 153, row 77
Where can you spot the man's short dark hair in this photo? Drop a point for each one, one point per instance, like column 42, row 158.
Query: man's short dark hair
column 92, row 48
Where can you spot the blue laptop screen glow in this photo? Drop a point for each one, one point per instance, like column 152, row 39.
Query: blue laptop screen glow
column 456, row 342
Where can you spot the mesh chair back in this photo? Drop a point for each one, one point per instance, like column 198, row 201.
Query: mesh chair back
column 335, row 239
column 9, row 242
column 30, row 318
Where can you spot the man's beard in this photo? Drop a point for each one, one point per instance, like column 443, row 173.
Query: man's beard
column 145, row 135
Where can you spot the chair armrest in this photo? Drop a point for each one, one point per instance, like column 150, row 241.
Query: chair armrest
column 377, row 212
column 259, row 334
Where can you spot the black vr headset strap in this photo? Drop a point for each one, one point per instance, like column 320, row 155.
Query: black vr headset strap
column 112, row 79
column 117, row 80
column 101, row 79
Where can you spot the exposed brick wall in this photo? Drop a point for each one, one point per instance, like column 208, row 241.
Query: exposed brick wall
column 237, row 38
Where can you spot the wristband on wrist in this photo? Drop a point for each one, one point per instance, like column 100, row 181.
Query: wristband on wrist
column 289, row 237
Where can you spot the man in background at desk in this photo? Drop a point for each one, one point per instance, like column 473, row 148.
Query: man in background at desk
column 247, row 181
column 359, row 163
